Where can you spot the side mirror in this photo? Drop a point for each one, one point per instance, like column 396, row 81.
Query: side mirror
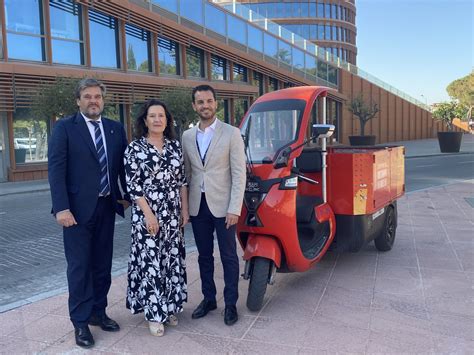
column 282, row 158
column 322, row 130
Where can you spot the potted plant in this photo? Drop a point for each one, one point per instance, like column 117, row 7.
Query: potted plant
column 364, row 111
column 450, row 141
column 462, row 90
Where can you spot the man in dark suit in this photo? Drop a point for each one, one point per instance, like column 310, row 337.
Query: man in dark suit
column 85, row 161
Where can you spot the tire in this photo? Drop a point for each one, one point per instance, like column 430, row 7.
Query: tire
column 385, row 240
column 258, row 283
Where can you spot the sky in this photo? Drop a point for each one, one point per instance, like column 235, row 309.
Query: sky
column 417, row 46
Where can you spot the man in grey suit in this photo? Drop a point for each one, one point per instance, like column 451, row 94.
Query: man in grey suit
column 214, row 159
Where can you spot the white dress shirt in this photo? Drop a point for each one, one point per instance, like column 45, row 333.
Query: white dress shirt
column 204, row 139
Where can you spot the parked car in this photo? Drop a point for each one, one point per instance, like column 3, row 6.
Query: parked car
column 25, row 143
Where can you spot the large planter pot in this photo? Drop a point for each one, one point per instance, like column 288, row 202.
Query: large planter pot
column 362, row 140
column 20, row 155
column 449, row 142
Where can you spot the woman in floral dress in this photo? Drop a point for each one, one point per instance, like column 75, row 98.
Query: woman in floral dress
column 157, row 186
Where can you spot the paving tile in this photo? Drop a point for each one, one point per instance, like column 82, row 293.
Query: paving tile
column 397, row 271
column 11, row 345
column 348, row 315
column 351, row 282
column 140, row 340
column 426, row 261
column 387, row 342
column 323, row 335
column 453, row 345
column 399, row 286
column 48, row 329
column 16, row 320
column 453, row 326
column 460, row 304
column 278, row 331
column 400, row 321
column 257, row 347
column 47, row 305
column 213, row 324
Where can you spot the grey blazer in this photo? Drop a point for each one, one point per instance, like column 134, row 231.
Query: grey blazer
column 223, row 172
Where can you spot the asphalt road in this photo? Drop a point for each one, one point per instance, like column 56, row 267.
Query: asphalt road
column 32, row 264
column 426, row 172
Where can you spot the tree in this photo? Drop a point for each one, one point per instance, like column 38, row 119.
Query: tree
column 53, row 100
column 448, row 111
column 462, row 90
column 131, row 61
column 363, row 110
column 179, row 103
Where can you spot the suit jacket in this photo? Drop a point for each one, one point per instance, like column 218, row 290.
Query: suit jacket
column 74, row 170
column 223, row 172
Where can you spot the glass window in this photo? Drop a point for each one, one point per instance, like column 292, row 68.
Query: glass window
column 138, row 48
column 272, row 84
column 304, row 9
column 219, row 68
column 25, row 30
column 30, row 137
column 298, row 59
column 296, row 9
column 327, row 32
column 192, row 10
column 195, row 62
column 240, row 108
column 327, row 11
column 103, row 40
column 255, row 38
column 25, row 47
column 322, row 70
column 310, row 64
column 284, row 52
column 223, row 110
column 320, row 9
column 258, row 82
column 280, row 9
column 240, row 73
column 215, row 19
column 332, row 74
column 320, row 31
column 170, row 5
column 66, row 32
column 168, row 56
column 334, row 33
column 270, row 45
column 237, row 29
column 334, row 11
column 312, row 9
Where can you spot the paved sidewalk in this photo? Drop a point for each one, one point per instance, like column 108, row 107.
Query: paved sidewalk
column 417, row 298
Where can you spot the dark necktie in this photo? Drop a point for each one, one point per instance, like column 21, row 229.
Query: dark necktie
column 99, row 145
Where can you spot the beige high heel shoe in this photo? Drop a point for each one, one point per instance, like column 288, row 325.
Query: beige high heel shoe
column 156, row 329
column 172, row 320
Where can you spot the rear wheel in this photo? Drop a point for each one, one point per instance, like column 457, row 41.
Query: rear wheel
column 385, row 240
column 258, row 283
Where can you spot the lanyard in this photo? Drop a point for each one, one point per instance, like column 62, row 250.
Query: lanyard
column 203, row 158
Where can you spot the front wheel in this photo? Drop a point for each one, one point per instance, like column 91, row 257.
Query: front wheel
column 258, row 283
column 385, row 240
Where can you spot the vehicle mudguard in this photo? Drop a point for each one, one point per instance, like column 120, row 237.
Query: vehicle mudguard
column 264, row 246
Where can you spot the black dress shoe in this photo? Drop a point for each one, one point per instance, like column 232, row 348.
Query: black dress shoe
column 104, row 322
column 230, row 315
column 204, row 307
column 84, row 337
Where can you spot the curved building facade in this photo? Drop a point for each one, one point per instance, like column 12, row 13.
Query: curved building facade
column 330, row 24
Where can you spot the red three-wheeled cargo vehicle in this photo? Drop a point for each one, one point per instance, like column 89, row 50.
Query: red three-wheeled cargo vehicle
column 303, row 197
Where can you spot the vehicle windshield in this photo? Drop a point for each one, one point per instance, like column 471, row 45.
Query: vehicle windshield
column 270, row 126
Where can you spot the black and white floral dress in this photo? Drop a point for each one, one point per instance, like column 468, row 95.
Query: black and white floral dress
column 156, row 268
